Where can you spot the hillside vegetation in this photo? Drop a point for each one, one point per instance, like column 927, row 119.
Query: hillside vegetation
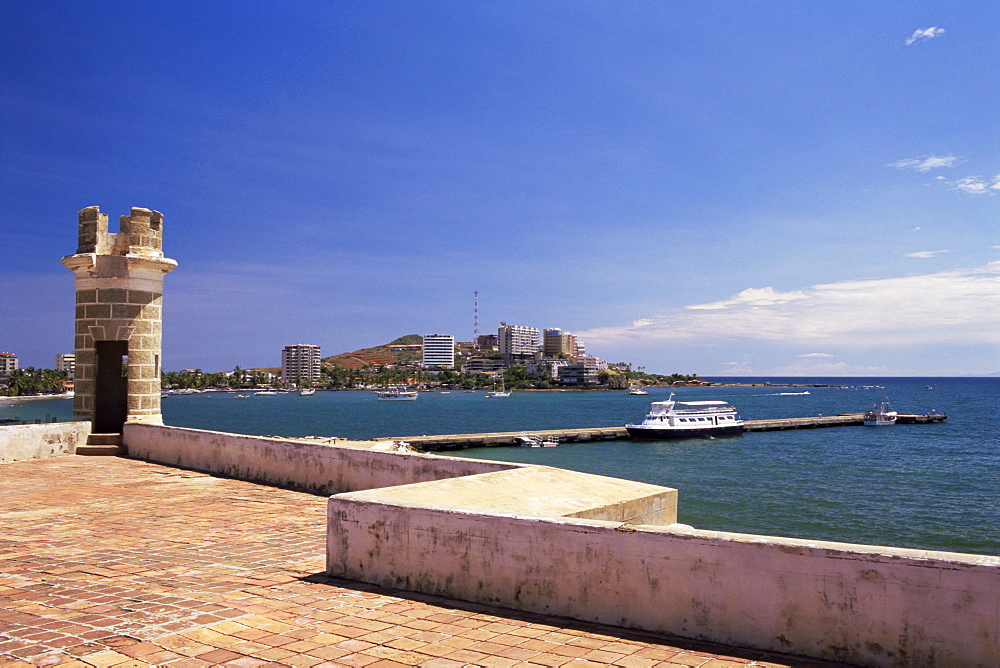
column 378, row 355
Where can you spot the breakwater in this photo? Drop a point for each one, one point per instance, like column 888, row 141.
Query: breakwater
column 513, row 438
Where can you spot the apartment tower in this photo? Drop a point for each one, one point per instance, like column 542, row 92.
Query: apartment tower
column 439, row 351
column 517, row 342
column 300, row 362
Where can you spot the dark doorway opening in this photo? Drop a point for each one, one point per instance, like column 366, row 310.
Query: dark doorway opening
column 111, row 388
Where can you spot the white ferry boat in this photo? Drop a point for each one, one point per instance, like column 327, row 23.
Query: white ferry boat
column 666, row 420
column 396, row 394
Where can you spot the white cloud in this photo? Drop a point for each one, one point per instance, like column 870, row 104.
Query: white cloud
column 975, row 185
column 925, row 254
column 816, row 355
column 925, row 163
column 925, row 34
column 960, row 307
column 753, row 297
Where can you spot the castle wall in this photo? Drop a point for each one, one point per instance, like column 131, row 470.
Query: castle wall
column 300, row 464
column 41, row 441
column 855, row 604
column 592, row 548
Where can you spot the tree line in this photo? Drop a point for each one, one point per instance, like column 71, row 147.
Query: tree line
column 31, row 381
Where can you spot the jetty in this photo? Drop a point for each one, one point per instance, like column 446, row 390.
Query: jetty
column 509, row 438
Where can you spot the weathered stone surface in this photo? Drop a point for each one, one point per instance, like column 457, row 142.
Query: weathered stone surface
column 119, row 283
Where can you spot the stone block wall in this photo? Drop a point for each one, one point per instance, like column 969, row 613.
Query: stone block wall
column 119, row 292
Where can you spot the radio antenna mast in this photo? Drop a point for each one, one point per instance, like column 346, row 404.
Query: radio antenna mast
column 475, row 319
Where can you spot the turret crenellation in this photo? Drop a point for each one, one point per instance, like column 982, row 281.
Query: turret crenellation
column 140, row 233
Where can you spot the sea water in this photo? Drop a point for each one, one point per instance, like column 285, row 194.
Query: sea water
column 928, row 486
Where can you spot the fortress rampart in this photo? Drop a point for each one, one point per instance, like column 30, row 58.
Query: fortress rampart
column 599, row 549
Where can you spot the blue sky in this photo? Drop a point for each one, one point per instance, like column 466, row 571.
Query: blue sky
column 723, row 188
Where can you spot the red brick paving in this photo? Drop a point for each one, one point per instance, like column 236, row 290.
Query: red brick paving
column 115, row 562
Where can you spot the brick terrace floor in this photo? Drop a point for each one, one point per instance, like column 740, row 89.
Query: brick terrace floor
column 114, row 562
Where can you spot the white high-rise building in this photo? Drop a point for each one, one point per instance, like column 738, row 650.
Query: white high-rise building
column 517, row 341
column 67, row 363
column 439, row 350
column 300, row 362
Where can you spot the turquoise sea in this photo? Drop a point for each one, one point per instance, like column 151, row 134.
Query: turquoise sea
column 933, row 486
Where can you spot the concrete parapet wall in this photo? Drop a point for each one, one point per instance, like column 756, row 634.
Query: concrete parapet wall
column 599, row 549
column 40, row 441
column 303, row 465
column 848, row 603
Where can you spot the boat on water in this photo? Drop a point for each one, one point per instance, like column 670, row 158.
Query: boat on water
column 396, row 394
column 637, row 392
column 686, row 419
column 496, row 394
column 307, row 392
column 881, row 416
column 265, row 393
column 526, row 440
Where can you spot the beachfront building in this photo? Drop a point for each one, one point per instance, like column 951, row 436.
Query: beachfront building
column 8, row 363
column 557, row 343
column 439, row 351
column 300, row 362
column 517, row 342
column 67, row 363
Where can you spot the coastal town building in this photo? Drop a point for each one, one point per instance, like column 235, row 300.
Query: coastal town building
column 66, row 363
column 439, row 350
column 8, row 363
column 483, row 365
column 487, row 342
column 517, row 342
column 584, row 371
column 557, row 343
column 300, row 362
column 547, row 367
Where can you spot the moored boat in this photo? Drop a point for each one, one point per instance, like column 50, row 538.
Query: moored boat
column 637, row 391
column 666, row 420
column 396, row 394
column 881, row 416
column 495, row 393
column 307, row 391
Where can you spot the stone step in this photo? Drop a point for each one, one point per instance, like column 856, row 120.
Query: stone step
column 102, row 445
column 104, row 439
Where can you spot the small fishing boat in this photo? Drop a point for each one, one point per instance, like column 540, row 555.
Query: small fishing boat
column 637, row 392
column 396, row 394
column 307, row 392
column 881, row 416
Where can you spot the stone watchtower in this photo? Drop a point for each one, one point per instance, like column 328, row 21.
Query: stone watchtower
column 119, row 287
